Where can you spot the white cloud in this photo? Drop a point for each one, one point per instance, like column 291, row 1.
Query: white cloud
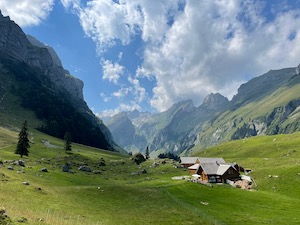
column 104, row 97
column 134, row 89
column 109, row 22
column 211, row 48
column 122, row 92
column 26, row 12
column 138, row 91
column 112, row 71
column 122, row 107
column 106, row 22
column 192, row 48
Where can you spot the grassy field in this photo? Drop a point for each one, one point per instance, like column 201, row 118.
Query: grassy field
column 118, row 195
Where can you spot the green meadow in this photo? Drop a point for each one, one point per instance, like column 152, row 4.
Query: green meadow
column 119, row 193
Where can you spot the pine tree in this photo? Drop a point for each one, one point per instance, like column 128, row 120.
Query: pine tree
column 23, row 143
column 68, row 138
column 147, row 153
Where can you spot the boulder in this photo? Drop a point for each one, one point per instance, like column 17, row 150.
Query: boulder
column 2, row 211
column 10, row 168
column 97, row 172
column 44, row 170
column 66, row 168
column 101, row 162
column 155, row 164
column 20, row 163
column 85, row 168
column 26, row 183
column 144, row 171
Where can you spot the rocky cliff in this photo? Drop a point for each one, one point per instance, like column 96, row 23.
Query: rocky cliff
column 14, row 43
column 35, row 67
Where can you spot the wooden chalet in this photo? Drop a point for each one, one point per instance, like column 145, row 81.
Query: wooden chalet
column 188, row 161
column 217, row 173
column 212, row 170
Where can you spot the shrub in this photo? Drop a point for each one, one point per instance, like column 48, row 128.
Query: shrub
column 168, row 155
column 138, row 158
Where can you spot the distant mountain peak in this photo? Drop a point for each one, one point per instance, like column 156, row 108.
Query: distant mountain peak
column 214, row 101
column 134, row 114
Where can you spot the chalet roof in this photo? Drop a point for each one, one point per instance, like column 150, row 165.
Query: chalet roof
column 194, row 167
column 188, row 160
column 211, row 160
column 192, row 160
column 214, row 168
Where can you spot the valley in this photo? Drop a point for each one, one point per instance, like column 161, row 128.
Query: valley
column 97, row 183
column 119, row 191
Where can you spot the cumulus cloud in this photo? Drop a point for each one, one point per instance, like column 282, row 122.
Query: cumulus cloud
column 27, row 12
column 214, row 46
column 110, row 22
column 112, row 71
column 134, row 89
column 105, row 97
column 192, row 48
column 121, row 108
column 138, row 91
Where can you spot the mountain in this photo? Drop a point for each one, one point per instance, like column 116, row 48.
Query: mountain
column 265, row 105
column 35, row 86
column 173, row 130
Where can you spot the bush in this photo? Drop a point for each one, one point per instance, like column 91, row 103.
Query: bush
column 168, row 155
column 138, row 158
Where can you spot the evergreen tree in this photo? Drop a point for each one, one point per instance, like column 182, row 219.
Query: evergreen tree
column 68, row 138
column 23, row 143
column 147, row 153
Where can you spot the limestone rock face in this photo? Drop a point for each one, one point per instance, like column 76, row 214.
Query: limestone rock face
column 16, row 44
column 17, row 47
column 12, row 39
column 37, row 43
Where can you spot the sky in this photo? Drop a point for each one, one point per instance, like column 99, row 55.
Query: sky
column 150, row 54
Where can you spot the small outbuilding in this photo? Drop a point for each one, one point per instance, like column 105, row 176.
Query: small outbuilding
column 188, row 161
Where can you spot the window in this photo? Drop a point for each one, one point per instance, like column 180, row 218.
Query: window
column 212, row 179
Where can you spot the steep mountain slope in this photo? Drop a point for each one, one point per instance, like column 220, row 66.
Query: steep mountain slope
column 268, row 104
column 34, row 81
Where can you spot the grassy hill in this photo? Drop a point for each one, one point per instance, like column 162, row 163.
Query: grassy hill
column 275, row 164
column 120, row 194
column 113, row 196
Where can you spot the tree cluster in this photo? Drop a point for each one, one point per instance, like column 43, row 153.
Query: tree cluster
column 168, row 155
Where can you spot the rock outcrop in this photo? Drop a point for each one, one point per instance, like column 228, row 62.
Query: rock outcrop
column 14, row 43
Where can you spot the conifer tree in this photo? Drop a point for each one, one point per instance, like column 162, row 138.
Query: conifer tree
column 23, row 143
column 147, row 153
column 68, row 140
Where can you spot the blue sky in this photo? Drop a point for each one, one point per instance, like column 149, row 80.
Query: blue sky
column 148, row 55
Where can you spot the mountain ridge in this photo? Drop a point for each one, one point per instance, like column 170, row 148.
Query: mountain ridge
column 35, row 77
column 267, row 104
